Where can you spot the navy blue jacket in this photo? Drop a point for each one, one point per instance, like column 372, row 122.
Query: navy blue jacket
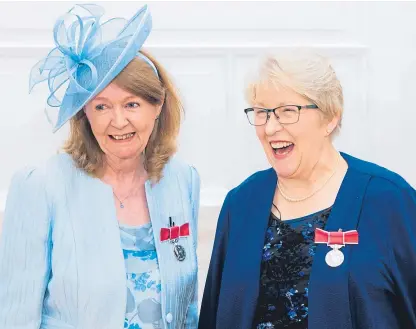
column 375, row 287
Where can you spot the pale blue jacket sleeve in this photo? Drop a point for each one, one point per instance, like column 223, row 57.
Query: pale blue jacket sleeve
column 24, row 251
column 191, row 321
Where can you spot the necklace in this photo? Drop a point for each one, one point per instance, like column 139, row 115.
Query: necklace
column 286, row 197
column 128, row 195
column 121, row 201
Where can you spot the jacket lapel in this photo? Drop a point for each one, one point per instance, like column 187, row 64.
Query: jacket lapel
column 246, row 241
column 96, row 235
column 167, row 200
column 328, row 287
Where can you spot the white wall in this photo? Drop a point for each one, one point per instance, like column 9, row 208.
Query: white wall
column 208, row 47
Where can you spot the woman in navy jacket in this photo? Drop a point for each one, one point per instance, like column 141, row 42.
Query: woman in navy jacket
column 322, row 240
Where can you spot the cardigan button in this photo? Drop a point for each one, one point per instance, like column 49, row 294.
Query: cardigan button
column 169, row 317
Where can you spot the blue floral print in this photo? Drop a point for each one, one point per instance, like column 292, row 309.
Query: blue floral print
column 143, row 308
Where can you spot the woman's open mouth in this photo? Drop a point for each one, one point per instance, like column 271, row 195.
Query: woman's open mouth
column 281, row 149
column 121, row 138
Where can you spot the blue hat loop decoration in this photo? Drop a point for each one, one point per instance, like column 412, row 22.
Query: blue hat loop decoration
column 88, row 55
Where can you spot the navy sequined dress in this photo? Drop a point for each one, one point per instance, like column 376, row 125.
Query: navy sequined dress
column 285, row 269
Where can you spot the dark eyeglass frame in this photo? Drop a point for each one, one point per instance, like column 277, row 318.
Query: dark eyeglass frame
column 300, row 107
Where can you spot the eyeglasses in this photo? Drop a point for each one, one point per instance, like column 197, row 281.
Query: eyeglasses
column 286, row 114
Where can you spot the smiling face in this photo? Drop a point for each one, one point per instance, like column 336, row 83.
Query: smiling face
column 292, row 148
column 121, row 122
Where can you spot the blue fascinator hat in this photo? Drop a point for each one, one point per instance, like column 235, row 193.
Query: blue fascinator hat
column 88, row 55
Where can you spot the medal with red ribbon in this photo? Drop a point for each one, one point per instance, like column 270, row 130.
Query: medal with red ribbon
column 173, row 234
column 335, row 240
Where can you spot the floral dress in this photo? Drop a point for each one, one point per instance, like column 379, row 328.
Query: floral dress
column 285, row 269
column 143, row 309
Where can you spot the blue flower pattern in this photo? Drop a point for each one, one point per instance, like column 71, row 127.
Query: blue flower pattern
column 285, row 270
column 143, row 308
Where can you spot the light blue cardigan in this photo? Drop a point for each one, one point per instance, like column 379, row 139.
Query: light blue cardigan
column 61, row 263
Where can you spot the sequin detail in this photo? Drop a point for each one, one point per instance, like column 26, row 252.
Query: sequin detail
column 285, row 269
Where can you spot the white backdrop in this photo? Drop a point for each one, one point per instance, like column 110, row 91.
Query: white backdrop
column 208, row 47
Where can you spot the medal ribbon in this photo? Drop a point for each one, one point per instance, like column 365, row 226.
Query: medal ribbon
column 174, row 232
column 336, row 238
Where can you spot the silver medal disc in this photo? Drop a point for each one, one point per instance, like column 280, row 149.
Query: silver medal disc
column 179, row 252
column 334, row 258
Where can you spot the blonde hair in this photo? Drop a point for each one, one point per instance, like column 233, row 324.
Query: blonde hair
column 139, row 79
column 308, row 74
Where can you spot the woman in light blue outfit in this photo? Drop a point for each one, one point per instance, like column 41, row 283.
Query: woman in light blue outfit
column 103, row 235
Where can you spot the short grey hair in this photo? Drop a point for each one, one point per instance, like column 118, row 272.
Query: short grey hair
column 308, row 74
